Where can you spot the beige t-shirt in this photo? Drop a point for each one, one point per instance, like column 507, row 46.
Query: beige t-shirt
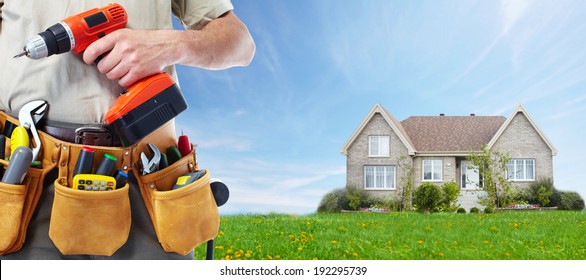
column 77, row 92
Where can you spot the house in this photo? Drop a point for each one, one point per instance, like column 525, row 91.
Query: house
column 437, row 146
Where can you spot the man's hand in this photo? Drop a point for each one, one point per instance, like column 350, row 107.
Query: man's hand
column 130, row 55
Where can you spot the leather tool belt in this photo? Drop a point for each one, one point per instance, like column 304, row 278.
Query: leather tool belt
column 183, row 218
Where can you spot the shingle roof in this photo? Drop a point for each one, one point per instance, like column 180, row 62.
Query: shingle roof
column 451, row 133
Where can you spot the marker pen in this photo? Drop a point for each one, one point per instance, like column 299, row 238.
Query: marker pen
column 85, row 161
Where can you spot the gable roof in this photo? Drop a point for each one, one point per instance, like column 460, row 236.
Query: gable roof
column 521, row 109
column 451, row 133
column 393, row 123
column 433, row 135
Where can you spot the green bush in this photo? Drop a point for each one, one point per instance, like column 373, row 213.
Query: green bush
column 356, row 198
column 450, row 193
column 488, row 210
column 332, row 201
column 427, row 197
column 571, row 201
column 474, row 210
column 541, row 191
column 461, row 210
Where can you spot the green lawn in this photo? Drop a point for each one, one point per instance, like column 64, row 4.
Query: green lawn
column 403, row 236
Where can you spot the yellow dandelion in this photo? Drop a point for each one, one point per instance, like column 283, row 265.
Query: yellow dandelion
column 355, row 254
column 558, row 246
column 315, row 258
column 334, row 242
column 277, row 257
column 258, row 246
column 441, row 254
column 486, row 241
column 230, row 251
column 516, row 226
column 248, row 255
column 405, row 247
column 507, row 254
column 420, row 241
column 300, row 249
column 220, row 247
column 221, row 233
column 228, row 257
column 308, row 224
column 269, row 257
column 363, row 225
column 291, row 236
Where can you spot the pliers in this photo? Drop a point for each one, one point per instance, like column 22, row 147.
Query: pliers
column 30, row 114
column 152, row 165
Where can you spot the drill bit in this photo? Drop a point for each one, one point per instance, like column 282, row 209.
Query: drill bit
column 23, row 53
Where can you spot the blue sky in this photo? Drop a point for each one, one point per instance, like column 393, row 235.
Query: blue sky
column 273, row 131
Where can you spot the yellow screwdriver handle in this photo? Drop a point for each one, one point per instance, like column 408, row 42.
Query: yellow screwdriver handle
column 19, row 138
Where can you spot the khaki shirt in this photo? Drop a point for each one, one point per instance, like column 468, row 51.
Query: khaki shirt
column 77, row 92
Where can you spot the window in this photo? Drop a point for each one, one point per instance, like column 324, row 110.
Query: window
column 379, row 177
column 432, row 170
column 521, row 170
column 378, row 146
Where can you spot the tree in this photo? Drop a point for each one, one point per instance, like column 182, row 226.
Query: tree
column 492, row 166
column 406, row 165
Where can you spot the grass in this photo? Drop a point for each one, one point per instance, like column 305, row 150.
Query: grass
column 532, row 235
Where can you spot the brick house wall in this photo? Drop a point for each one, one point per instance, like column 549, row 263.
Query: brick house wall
column 521, row 141
column 449, row 170
column 357, row 156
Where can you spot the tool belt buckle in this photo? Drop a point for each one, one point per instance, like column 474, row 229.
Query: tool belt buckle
column 79, row 132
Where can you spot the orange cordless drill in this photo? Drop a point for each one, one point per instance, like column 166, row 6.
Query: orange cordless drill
column 145, row 105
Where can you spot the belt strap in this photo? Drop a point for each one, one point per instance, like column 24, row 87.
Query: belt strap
column 95, row 135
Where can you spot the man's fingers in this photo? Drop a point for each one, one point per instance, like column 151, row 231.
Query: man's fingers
column 99, row 47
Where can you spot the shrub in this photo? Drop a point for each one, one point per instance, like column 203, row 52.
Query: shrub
column 474, row 210
column 488, row 210
column 331, row 202
column 461, row 210
column 427, row 197
column 571, row 201
column 450, row 193
column 541, row 191
column 356, row 198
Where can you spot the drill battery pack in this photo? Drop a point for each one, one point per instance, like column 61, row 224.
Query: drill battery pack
column 144, row 107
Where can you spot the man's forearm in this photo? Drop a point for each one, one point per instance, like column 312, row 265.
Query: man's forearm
column 222, row 43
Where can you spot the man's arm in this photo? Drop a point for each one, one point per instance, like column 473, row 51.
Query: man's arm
column 134, row 54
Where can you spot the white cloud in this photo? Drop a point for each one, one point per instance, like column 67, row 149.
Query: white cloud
column 511, row 12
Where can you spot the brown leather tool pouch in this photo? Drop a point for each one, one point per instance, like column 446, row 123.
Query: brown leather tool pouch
column 89, row 222
column 183, row 218
column 18, row 202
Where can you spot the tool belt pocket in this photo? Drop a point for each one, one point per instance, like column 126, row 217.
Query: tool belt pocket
column 89, row 222
column 183, row 218
column 17, row 205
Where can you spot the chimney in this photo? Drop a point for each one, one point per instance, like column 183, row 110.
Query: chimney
column 442, row 115
column 472, row 115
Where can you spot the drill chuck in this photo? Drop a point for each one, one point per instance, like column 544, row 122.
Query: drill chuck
column 55, row 40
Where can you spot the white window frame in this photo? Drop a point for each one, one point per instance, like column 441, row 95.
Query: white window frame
column 433, row 163
column 385, row 169
column 382, row 145
column 520, row 175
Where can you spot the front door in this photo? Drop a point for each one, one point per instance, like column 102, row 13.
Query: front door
column 470, row 176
